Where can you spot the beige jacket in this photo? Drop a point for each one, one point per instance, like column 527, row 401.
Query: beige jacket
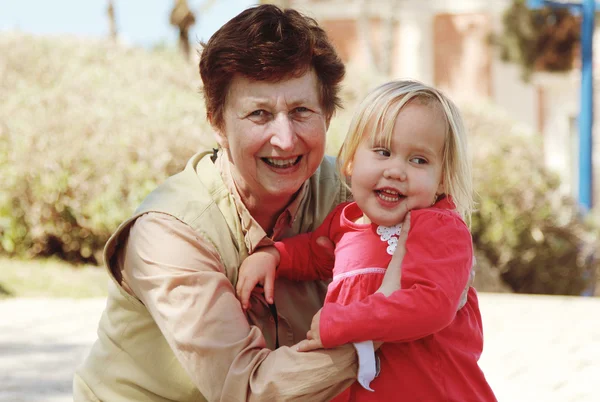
column 173, row 333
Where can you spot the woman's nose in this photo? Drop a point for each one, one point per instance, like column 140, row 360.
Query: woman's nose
column 283, row 135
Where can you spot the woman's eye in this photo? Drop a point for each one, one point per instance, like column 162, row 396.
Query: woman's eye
column 419, row 161
column 260, row 116
column 301, row 111
column 258, row 113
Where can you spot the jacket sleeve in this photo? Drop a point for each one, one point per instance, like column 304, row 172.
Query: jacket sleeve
column 179, row 278
column 435, row 271
column 302, row 259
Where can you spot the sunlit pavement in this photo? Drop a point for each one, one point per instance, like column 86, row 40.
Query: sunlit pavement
column 542, row 348
column 537, row 348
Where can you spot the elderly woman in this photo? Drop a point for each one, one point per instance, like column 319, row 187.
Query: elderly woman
column 173, row 329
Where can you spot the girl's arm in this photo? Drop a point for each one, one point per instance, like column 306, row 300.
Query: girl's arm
column 435, row 271
column 302, row 258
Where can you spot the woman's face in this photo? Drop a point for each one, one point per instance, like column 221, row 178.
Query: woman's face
column 275, row 135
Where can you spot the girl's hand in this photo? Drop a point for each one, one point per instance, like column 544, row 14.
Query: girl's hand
column 313, row 336
column 393, row 274
column 257, row 268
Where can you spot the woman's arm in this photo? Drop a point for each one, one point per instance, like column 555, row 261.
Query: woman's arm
column 435, row 271
column 180, row 280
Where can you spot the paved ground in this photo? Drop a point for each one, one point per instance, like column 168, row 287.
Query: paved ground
column 538, row 348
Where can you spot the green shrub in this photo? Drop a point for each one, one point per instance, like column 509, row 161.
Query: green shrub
column 88, row 130
column 525, row 229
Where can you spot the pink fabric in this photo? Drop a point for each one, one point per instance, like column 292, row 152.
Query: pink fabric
column 431, row 350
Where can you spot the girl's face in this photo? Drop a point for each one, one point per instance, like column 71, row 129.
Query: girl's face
column 389, row 182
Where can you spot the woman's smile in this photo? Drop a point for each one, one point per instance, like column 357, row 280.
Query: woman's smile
column 281, row 163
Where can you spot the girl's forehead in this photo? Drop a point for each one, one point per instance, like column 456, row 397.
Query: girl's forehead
column 380, row 127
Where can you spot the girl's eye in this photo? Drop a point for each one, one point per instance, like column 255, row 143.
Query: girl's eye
column 418, row 160
column 382, row 152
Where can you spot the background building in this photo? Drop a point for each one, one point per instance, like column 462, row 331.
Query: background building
column 449, row 44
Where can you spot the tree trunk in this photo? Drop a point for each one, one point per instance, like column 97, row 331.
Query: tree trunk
column 112, row 23
column 183, row 18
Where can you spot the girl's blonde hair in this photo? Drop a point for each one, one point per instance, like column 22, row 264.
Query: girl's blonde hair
column 374, row 121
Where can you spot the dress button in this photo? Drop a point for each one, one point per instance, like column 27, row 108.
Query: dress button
column 272, row 319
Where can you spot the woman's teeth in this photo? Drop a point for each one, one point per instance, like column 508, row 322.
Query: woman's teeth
column 282, row 163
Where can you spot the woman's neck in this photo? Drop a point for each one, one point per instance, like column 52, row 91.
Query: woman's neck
column 266, row 212
column 265, row 209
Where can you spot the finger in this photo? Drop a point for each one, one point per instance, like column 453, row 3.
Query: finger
column 307, row 345
column 405, row 226
column 239, row 286
column 269, row 287
column 398, row 255
column 245, row 293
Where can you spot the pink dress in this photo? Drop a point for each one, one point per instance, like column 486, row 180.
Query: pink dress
column 431, row 349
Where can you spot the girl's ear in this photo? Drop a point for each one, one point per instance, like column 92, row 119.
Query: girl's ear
column 441, row 187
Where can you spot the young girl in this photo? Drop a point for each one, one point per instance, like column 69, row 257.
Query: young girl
column 406, row 150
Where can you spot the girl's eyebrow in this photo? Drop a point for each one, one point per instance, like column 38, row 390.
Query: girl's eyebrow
column 424, row 149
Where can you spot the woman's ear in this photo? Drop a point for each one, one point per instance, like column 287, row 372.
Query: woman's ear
column 218, row 133
column 221, row 139
column 327, row 122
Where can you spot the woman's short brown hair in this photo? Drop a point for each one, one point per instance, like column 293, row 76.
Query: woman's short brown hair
column 266, row 43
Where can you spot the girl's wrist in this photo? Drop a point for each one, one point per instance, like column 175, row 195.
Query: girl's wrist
column 272, row 251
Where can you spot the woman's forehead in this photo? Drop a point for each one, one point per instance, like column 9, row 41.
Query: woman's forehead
column 292, row 89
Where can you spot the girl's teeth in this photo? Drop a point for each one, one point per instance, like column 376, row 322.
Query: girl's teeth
column 390, row 196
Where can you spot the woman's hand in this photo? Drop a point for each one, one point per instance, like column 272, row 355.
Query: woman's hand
column 313, row 336
column 393, row 274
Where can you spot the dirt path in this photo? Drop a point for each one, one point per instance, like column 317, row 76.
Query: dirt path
column 537, row 348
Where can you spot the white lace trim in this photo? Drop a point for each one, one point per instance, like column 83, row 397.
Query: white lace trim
column 361, row 271
column 390, row 235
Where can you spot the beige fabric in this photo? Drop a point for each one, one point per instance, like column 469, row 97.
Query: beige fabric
column 183, row 336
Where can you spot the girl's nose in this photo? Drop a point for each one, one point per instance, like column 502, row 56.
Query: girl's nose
column 395, row 172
